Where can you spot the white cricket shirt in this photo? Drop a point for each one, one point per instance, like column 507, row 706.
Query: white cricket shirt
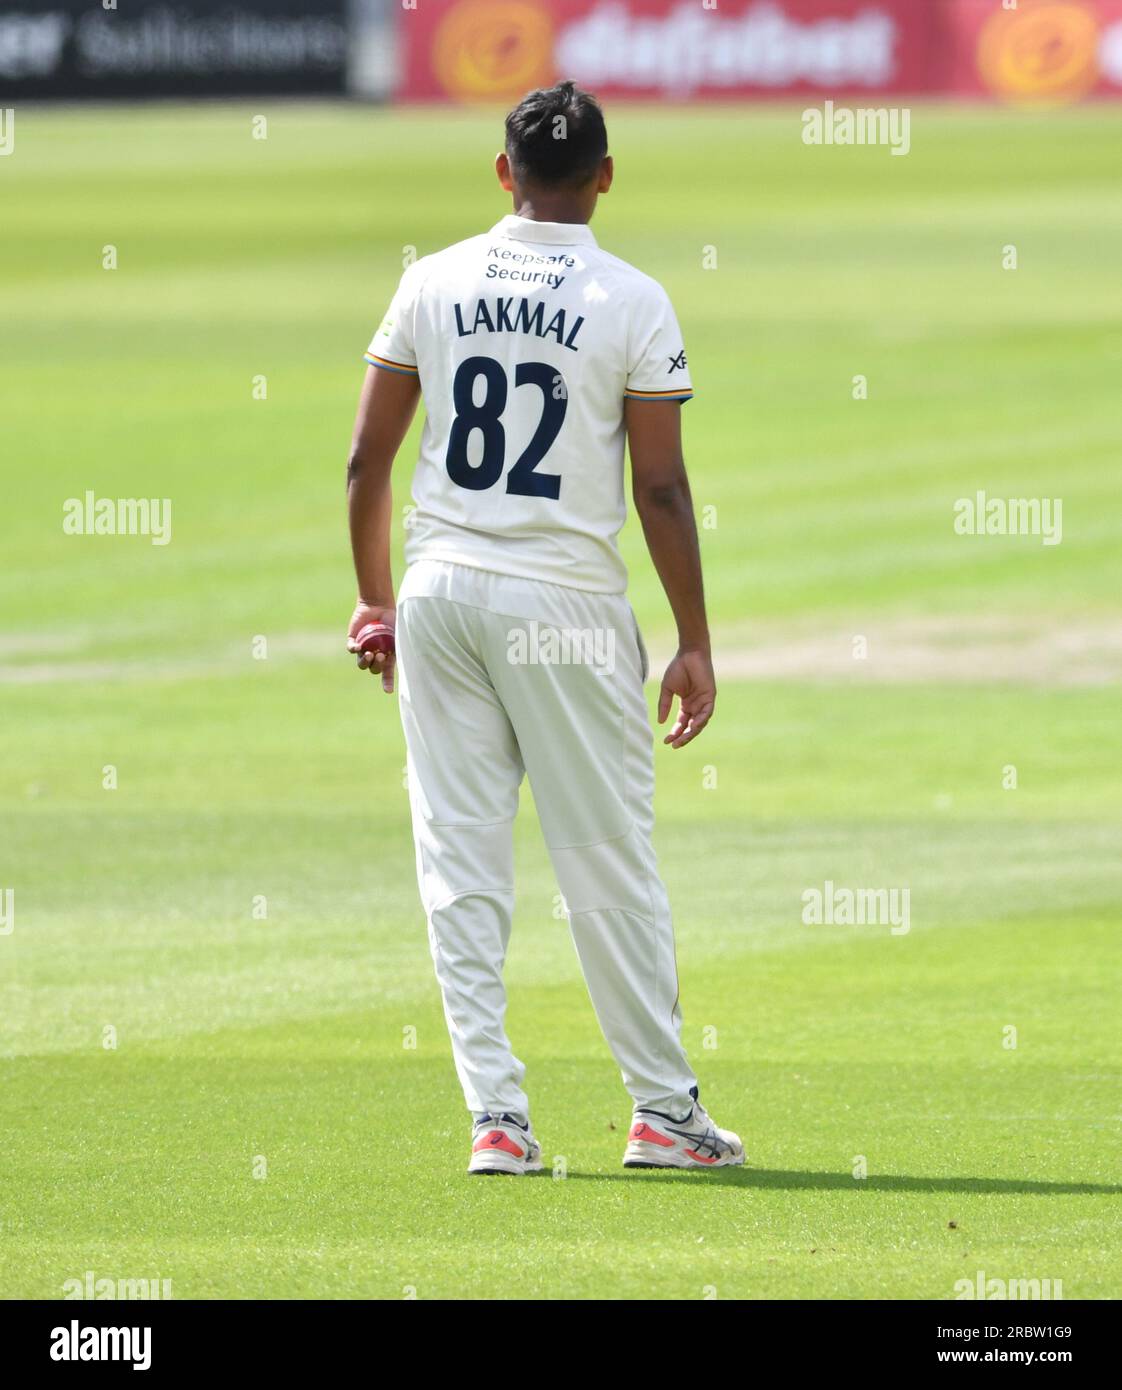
column 527, row 341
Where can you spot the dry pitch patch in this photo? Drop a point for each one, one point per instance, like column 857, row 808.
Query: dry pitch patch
column 956, row 650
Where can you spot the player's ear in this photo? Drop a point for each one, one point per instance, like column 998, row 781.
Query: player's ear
column 607, row 173
column 502, row 168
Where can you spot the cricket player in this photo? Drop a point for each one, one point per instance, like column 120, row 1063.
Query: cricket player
column 537, row 354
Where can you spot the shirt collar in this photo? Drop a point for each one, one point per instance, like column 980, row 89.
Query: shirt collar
column 555, row 233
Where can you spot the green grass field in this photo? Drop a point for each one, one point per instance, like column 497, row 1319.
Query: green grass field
column 260, row 1128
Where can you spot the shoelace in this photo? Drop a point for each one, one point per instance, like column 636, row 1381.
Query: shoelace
column 710, row 1140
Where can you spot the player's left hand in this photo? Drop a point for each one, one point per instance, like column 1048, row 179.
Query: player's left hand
column 375, row 662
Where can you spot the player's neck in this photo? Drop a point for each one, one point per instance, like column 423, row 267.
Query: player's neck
column 544, row 207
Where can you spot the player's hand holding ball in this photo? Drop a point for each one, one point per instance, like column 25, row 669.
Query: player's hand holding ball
column 371, row 637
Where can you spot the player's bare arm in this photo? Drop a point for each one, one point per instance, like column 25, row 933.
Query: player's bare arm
column 661, row 491
column 385, row 412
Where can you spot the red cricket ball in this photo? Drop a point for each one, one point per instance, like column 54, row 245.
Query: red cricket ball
column 375, row 637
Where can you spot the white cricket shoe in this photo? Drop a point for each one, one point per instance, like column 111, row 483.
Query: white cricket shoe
column 659, row 1141
column 501, row 1145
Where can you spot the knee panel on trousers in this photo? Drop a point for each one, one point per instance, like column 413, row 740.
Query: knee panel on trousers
column 612, row 874
column 456, row 859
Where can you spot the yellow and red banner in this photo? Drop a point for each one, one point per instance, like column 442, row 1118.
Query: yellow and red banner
column 1040, row 53
column 1036, row 52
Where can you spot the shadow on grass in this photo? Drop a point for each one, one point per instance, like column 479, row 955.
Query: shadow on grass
column 790, row 1179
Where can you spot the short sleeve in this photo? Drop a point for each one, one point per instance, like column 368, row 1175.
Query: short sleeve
column 392, row 347
column 656, row 368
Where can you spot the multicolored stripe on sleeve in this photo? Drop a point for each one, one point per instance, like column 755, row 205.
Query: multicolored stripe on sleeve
column 683, row 393
column 388, row 365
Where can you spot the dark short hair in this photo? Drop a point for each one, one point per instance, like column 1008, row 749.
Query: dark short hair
column 545, row 151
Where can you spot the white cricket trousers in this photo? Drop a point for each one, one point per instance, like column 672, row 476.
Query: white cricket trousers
column 500, row 676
